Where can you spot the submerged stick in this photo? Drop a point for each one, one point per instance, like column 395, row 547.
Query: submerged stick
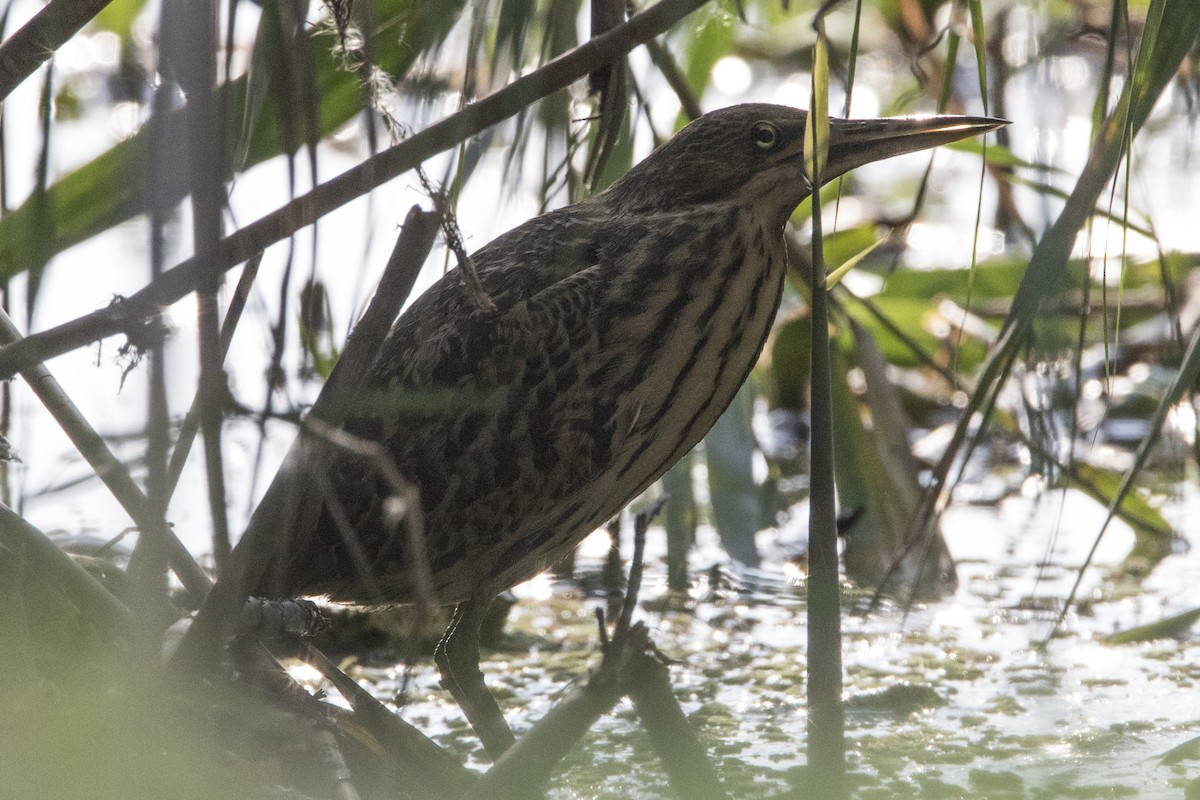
column 683, row 756
column 428, row 770
column 528, row 764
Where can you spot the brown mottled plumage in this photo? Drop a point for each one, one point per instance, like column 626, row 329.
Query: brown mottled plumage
column 623, row 327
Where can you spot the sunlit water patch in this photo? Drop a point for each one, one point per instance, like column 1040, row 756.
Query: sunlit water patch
column 950, row 699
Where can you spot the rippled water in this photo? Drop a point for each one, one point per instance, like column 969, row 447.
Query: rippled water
column 982, row 709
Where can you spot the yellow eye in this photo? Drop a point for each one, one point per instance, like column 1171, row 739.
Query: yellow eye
column 766, row 135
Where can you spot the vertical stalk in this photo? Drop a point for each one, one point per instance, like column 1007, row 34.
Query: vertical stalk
column 826, row 741
column 679, row 518
column 6, row 386
column 149, row 563
column 190, row 41
column 826, row 725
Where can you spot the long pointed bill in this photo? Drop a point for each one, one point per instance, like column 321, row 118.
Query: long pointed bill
column 854, row 142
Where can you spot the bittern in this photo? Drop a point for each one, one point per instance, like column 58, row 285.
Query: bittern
column 619, row 329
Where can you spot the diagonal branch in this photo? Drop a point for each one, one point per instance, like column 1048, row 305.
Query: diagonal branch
column 96, row 604
column 38, row 39
column 351, row 184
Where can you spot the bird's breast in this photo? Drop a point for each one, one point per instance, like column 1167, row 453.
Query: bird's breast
column 704, row 312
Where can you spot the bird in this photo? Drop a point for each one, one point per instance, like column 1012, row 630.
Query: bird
column 612, row 334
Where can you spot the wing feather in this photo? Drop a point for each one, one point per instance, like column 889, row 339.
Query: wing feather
column 488, row 413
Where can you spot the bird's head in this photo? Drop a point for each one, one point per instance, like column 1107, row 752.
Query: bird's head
column 754, row 153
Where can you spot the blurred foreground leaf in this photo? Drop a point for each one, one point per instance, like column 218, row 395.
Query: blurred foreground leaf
column 1169, row 628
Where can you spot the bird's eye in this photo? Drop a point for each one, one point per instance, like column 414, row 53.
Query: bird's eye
column 766, row 135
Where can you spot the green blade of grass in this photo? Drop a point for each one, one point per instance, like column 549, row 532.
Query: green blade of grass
column 1170, row 30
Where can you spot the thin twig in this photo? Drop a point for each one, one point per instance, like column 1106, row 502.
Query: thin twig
column 451, row 232
column 826, row 723
column 148, row 567
column 453, row 236
column 189, row 42
column 191, row 421
column 678, row 82
column 402, row 492
column 641, row 524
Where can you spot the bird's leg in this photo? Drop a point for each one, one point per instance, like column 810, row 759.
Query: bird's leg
column 457, row 658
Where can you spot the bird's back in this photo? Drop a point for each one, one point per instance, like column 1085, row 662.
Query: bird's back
column 615, row 343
